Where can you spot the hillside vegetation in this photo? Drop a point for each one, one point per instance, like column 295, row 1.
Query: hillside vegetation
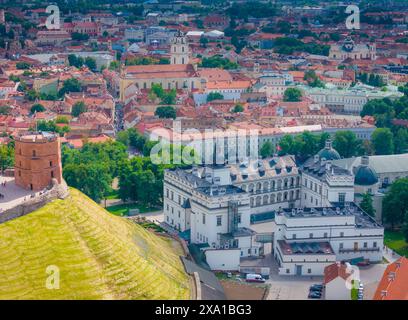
column 99, row 256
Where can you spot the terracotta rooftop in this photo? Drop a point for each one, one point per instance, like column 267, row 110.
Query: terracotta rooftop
column 394, row 283
column 335, row 270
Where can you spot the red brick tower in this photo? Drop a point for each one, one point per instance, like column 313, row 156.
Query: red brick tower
column 37, row 160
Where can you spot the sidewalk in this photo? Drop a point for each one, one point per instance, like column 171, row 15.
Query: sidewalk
column 390, row 255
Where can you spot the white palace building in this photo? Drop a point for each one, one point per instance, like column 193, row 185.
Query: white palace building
column 317, row 221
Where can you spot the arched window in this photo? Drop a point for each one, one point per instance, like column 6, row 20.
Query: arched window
column 258, row 201
column 265, row 200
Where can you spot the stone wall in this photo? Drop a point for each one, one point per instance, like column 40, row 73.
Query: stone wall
column 56, row 191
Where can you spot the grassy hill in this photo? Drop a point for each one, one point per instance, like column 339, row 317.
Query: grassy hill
column 100, row 256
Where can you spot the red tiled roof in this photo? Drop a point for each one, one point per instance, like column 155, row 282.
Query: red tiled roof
column 335, row 270
column 394, row 283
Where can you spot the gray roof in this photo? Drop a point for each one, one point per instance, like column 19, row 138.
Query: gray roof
column 381, row 164
column 263, row 168
column 318, row 169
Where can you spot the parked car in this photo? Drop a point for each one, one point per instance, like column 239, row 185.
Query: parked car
column 315, row 295
column 316, row 287
column 253, row 277
column 363, row 263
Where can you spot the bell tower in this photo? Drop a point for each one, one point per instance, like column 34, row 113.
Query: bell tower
column 179, row 49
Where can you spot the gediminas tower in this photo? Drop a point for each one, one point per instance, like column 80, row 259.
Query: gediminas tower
column 37, row 160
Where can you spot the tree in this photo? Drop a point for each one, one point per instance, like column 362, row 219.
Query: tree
column 123, row 137
column 367, row 204
column 214, row 96
column 292, row 95
column 346, row 143
column 395, row 203
column 169, row 97
column 76, row 36
column 405, row 228
column 238, row 108
column 114, row 65
column 78, row 108
column 267, row 149
column 286, row 145
column 401, row 141
column 6, row 156
column 70, row 85
column 312, row 79
column 37, row 108
column 5, row 110
column 90, row 63
column 62, row 119
column 166, row 112
column 382, row 141
column 22, row 65
column 75, row 61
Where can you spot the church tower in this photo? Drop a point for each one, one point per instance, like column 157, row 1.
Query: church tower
column 179, row 49
column 37, row 160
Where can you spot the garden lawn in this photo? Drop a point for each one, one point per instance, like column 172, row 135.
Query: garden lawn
column 122, row 209
column 395, row 241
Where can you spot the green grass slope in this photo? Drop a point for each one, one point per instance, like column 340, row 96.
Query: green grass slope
column 99, row 256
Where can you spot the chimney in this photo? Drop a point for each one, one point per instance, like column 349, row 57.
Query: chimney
column 391, row 276
column 328, row 165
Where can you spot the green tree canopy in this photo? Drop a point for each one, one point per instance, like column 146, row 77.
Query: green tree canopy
column 346, row 143
column 395, row 203
column 367, row 204
column 292, row 95
column 78, row 108
column 37, row 108
column 166, row 112
column 382, row 141
column 214, row 96
column 267, row 150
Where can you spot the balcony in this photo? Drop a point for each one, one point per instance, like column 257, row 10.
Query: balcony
column 359, row 250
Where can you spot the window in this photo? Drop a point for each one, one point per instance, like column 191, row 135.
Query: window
column 375, row 244
column 50, row 163
column 341, row 245
column 325, row 235
column 287, row 270
column 203, row 218
column 310, row 235
column 293, row 236
column 342, row 197
column 34, row 153
column 52, row 174
column 219, row 221
column 341, row 234
column 239, row 218
column 309, row 270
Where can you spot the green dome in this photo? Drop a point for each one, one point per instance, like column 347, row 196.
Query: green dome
column 365, row 175
column 328, row 152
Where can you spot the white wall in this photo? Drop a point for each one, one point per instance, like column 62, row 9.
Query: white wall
column 337, row 290
column 225, row 260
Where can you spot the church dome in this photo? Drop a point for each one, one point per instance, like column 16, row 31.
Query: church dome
column 364, row 175
column 328, row 152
